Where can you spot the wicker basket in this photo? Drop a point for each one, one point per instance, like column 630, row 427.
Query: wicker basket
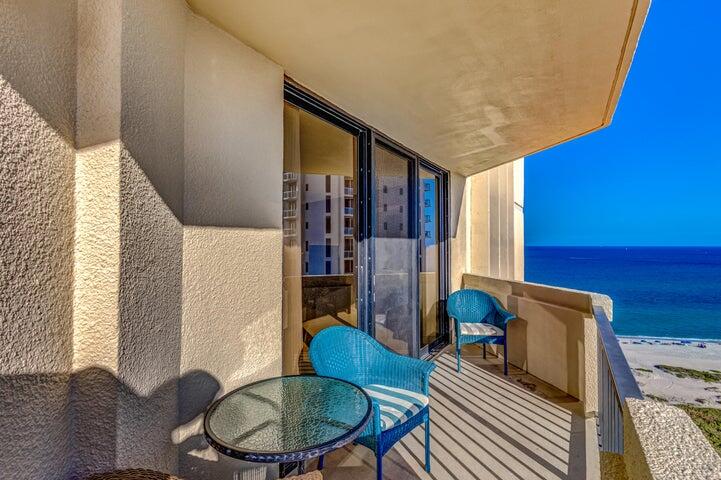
column 307, row 476
column 134, row 474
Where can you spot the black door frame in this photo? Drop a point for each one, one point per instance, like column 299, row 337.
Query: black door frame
column 368, row 137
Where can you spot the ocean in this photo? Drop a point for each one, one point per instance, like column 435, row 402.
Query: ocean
column 656, row 291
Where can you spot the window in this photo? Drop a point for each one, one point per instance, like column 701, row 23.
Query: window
column 328, row 267
column 306, row 205
column 385, row 189
column 427, row 186
column 401, row 208
column 385, row 207
column 327, row 183
column 306, row 225
column 428, row 234
column 306, row 187
column 428, row 219
column 327, row 224
column 427, row 202
column 385, row 225
column 327, row 204
column 306, row 267
column 401, row 227
column 306, row 245
column 327, row 248
column 401, row 190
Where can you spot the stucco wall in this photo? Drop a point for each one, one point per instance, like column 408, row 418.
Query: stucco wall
column 36, row 237
column 150, row 315
column 661, row 442
column 233, row 131
column 231, row 327
column 37, row 117
column 152, row 75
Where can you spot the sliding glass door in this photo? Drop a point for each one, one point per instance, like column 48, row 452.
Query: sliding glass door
column 431, row 277
column 395, row 251
column 363, row 235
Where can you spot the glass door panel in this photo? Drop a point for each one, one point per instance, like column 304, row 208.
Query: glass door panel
column 395, row 247
column 430, row 260
column 319, row 226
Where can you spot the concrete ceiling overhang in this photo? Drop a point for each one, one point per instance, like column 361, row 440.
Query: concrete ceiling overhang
column 469, row 84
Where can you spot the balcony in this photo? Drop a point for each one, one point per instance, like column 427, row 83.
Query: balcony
column 348, row 211
column 484, row 425
column 348, row 254
column 290, row 194
column 348, row 231
column 290, row 177
column 290, row 213
column 348, row 191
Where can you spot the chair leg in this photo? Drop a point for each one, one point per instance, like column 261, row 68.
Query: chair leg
column 379, row 467
column 484, row 351
column 428, row 443
column 505, row 357
column 458, row 358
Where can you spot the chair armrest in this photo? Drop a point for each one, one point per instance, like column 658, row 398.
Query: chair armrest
column 503, row 316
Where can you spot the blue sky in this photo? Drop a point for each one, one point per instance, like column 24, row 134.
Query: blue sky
column 653, row 177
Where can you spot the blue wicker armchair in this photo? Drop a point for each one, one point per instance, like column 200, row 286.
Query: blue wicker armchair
column 397, row 385
column 479, row 318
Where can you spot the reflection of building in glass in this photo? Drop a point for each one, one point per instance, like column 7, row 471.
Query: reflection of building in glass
column 325, row 224
column 429, row 223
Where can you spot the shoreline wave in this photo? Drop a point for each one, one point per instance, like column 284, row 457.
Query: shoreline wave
column 670, row 339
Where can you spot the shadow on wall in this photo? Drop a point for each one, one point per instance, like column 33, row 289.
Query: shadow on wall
column 33, row 403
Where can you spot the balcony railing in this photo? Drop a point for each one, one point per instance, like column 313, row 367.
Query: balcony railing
column 348, row 192
column 290, row 177
column 349, row 210
column 290, row 194
column 616, row 383
column 290, row 213
column 348, row 254
column 348, row 231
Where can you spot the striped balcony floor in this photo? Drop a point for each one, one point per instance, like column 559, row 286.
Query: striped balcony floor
column 486, row 426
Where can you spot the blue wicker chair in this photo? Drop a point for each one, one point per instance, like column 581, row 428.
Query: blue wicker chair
column 397, row 385
column 479, row 318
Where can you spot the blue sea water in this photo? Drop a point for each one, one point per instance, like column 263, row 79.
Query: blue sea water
column 656, row 291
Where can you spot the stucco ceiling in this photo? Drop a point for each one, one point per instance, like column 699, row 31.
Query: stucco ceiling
column 469, row 84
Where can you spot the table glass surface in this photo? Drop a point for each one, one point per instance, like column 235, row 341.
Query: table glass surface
column 288, row 414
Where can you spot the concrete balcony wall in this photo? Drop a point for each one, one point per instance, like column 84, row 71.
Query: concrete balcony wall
column 97, row 134
column 486, row 224
column 661, row 442
column 37, row 121
column 555, row 336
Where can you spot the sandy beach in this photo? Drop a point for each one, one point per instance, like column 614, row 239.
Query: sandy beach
column 644, row 354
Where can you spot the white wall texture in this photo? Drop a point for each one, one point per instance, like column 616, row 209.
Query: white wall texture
column 232, row 94
column 36, row 235
column 92, row 376
column 37, row 117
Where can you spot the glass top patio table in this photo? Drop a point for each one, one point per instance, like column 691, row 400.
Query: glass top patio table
column 287, row 419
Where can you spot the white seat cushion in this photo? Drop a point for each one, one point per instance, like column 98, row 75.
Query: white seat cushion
column 481, row 329
column 396, row 404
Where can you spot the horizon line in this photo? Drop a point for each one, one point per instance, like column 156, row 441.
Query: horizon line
column 623, row 246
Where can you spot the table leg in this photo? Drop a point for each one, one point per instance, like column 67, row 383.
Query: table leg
column 320, row 462
column 301, row 467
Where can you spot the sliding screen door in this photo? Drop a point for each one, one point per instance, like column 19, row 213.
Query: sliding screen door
column 395, row 262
